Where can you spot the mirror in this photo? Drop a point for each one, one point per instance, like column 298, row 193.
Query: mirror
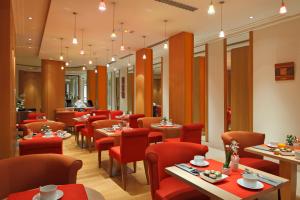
column 157, row 87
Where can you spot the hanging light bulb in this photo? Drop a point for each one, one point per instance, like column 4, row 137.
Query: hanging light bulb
column 129, row 64
column 113, row 34
column 221, row 33
column 62, row 67
column 81, row 50
column 67, row 56
column 282, row 9
column 83, row 68
column 107, row 51
column 107, row 65
column 102, row 6
column 113, row 59
column 166, row 46
column 75, row 41
column 166, row 43
column 61, row 57
column 96, row 71
column 211, row 9
column 122, row 48
column 144, row 55
column 67, row 64
column 90, row 60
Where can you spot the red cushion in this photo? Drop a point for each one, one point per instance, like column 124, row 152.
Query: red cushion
column 105, row 143
column 260, row 164
column 174, row 189
column 40, row 145
column 115, row 153
column 155, row 137
column 172, row 140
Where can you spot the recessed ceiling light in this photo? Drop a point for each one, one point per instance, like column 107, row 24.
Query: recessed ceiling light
column 29, row 39
column 251, row 17
column 30, row 18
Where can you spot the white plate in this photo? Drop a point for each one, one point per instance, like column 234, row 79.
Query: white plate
column 59, row 194
column 204, row 164
column 272, row 146
column 259, row 185
column 211, row 180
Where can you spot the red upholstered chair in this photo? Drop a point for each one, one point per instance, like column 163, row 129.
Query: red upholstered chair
column 41, row 146
column 115, row 113
column 247, row 139
column 190, row 133
column 160, row 156
column 36, row 126
column 101, row 112
column 36, row 115
column 132, row 149
column 32, row 171
column 145, row 122
column 88, row 131
column 78, row 125
column 103, row 143
column 133, row 120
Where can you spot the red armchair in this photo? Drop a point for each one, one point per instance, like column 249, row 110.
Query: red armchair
column 78, row 125
column 115, row 113
column 145, row 122
column 102, row 112
column 132, row 149
column 190, row 133
column 133, row 120
column 160, row 156
column 41, row 146
column 31, row 171
column 88, row 131
column 247, row 139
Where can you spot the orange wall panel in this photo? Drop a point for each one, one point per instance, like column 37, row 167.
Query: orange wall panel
column 53, row 87
column 202, row 88
column 143, row 95
column 181, row 52
column 101, row 88
column 91, row 85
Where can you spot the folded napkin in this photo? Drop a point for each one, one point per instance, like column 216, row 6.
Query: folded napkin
column 261, row 147
column 71, row 192
column 188, row 169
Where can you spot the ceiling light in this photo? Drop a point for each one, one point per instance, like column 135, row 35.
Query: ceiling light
column 75, row 41
column 129, row 64
column 211, row 9
column 107, row 65
column 251, row 17
column 67, row 64
column 67, row 56
column 282, row 9
column 90, row 61
column 29, row 39
column 113, row 59
column 166, row 46
column 122, row 48
column 96, row 71
column 29, row 47
column 62, row 67
column 61, row 57
column 107, row 60
column 102, row 6
column 30, row 18
column 144, row 55
column 113, row 34
column 81, row 50
column 165, row 35
column 83, row 68
column 221, row 33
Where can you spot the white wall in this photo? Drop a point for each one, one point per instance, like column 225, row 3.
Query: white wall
column 215, row 93
column 276, row 104
column 123, row 101
column 165, row 86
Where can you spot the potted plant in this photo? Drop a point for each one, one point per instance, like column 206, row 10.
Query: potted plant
column 291, row 139
column 231, row 153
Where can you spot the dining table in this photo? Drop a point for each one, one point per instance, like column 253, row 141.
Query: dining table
column 110, row 132
column 287, row 168
column 229, row 187
column 64, row 136
column 168, row 130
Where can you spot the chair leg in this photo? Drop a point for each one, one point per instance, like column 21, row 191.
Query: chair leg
column 99, row 159
column 82, row 140
column 146, row 170
column 89, row 143
column 111, row 162
column 134, row 167
column 278, row 194
column 124, row 175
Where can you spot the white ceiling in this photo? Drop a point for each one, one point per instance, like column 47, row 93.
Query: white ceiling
column 144, row 17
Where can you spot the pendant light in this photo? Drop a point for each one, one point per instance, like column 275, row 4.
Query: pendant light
column 102, row 6
column 96, row 71
column 67, row 57
column 61, row 57
column 113, row 59
column 83, row 68
column 122, row 48
column 129, row 63
column 282, row 9
column 75, row 41
column 62, row 67
column 211, row 8
column 221, row 33
column 107, row 51
column 113, row 34
column 165, row 35
column 90, row 60
column 82, row 50
column 144, row 55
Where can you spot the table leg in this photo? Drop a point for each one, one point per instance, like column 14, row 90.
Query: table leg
column 289, row 171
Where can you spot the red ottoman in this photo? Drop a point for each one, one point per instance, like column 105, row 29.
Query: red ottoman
column 40, row 146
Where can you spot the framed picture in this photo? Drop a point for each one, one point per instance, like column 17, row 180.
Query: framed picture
column 284, row 71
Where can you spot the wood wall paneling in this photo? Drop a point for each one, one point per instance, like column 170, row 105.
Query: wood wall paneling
column 102, row 87
column 250, row 82
column 144, row 74
column 91, row 85
column 53, row 87
column 181, row 51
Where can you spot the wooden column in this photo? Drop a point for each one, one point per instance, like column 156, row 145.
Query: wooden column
column 181, row 52
column 101, row 94
column 143, row 95
column 7, row 81
column 91, row 85
column 203, row 85
column 53, row 87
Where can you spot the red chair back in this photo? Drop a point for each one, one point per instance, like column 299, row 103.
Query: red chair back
column 133, row 144
column 115, row 113
column 35, row 115
column 191, row 133
column 102, row 112
column 133, row 123
column 93, row 119
column 167, row 154
column 80, row 114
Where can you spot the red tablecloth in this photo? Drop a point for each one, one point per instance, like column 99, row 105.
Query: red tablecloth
column 71, row 192
column 230, row 184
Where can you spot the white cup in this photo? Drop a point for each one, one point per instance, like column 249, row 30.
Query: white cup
column 198, row 159
column 297, row 154
column 48, row 192
column 250, row 179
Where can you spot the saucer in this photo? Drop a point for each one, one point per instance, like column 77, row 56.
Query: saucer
column 259, row 185
column 59, row 194
column 203, row 164
column 272, row 145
